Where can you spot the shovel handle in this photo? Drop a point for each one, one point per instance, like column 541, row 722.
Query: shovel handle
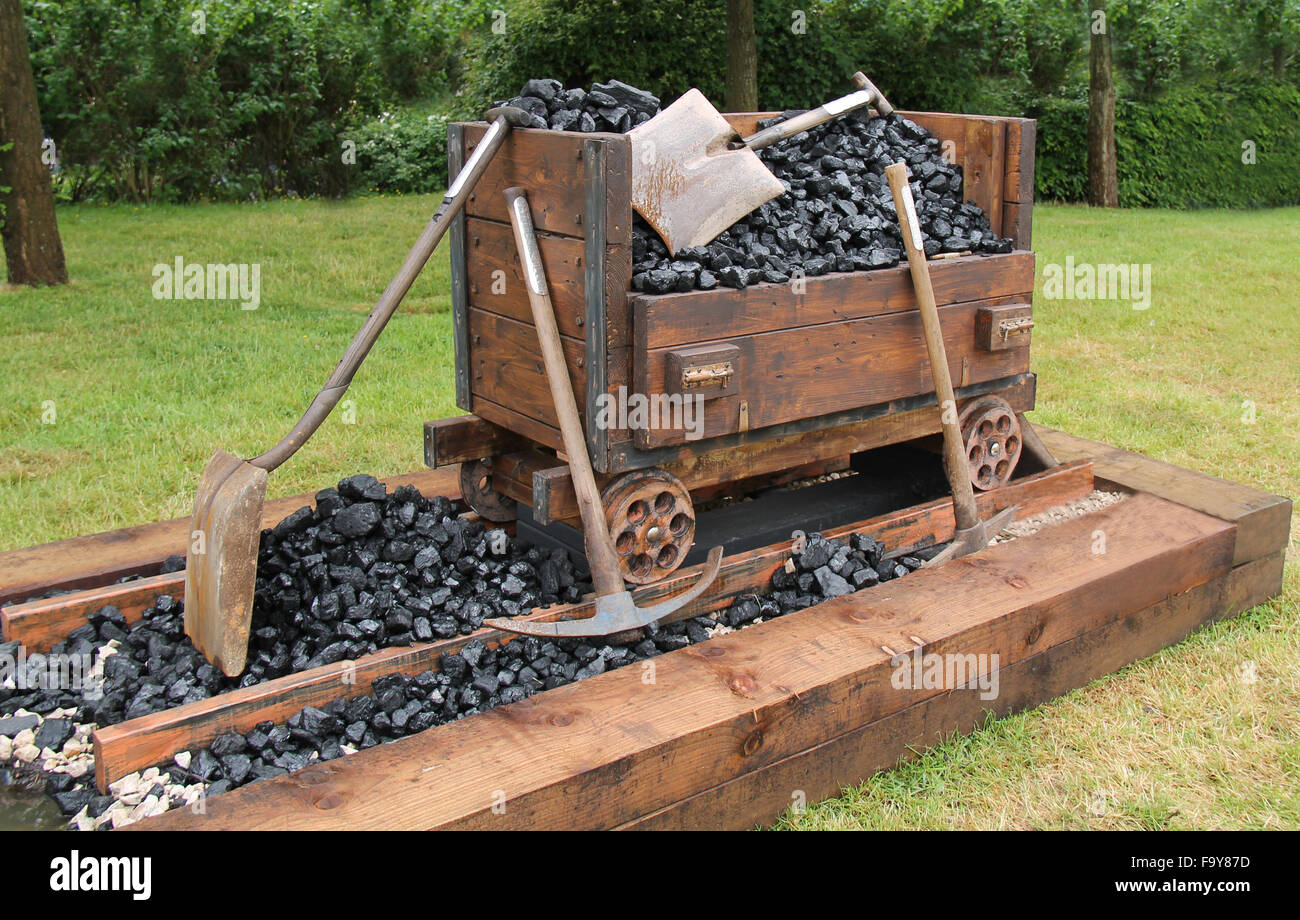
column 605, row 573
column 954, row 450
column 391, row 299
column 866, row 94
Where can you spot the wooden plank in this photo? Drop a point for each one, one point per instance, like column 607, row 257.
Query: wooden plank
column 97, row 559
column 601, row 752
column 547, row 163
column 983, row 167
column 496, row 282
column 1263, row 519
column 1018, row 188
column 531, row 428
column 811, row 371
column 822, row 771
column 664, row 320
column 40, row 624
column 459, row 261
column 140, row 743
column 465, row 438
column 508, row 366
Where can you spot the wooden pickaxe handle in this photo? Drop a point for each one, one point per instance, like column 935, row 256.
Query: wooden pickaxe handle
column 954, row 446
column 605, row 573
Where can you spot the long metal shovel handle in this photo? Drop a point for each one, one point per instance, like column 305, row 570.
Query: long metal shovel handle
column 866, row 94
column 955, row 463
column 391, row 299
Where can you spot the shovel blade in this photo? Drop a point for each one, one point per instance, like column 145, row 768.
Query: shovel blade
column 221, row 565
column 686, row 183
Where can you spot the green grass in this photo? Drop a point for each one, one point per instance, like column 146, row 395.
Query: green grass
column 145, row 389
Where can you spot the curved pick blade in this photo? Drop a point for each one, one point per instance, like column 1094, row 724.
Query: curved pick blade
column 974, row 539
column 615, row 613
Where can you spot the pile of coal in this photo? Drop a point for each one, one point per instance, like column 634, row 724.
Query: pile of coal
column 837, row 214
column 612, row 106
column 366, row 569
column 479, row 678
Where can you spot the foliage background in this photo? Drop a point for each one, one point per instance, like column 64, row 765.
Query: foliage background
column 143, row 106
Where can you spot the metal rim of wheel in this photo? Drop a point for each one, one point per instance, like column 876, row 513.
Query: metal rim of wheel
column 651, row 521
column 476, row 489
column 991, row 434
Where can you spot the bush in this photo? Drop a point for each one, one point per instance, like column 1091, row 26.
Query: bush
column 1182, row 150
column 169, row 99
column 403, row 152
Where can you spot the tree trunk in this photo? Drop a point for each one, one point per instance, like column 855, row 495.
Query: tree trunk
column 742, row 57
column 33, row 250
column 1103, row 175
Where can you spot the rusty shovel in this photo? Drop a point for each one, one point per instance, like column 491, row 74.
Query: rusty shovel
column 221, row 565
column 693, row 176
column 616, row 612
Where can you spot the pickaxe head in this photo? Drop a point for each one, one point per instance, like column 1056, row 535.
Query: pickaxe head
column 973, row 539
column 615, row 613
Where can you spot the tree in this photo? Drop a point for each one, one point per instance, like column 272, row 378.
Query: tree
column 33, row 250
column 742, row 57
column 1103, row 174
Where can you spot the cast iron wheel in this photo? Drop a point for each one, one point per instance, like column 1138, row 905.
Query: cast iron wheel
column 991, row 433
column 476, row 489
column 651, row 521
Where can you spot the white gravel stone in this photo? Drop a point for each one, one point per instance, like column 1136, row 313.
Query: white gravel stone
column 183, row 759
column 6, row 749
column 24, row 737
column 127, row 784
column 27, row 753
column 121, row 817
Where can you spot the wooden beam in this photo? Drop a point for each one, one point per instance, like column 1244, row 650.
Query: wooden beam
column 603, row 751
column 40, row 624
column 824, row 770
column 100, row 558
column 1263, row 519
column 464, row 438
column 139, row 743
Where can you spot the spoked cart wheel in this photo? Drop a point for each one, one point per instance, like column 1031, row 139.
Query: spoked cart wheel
column 993, row 441
column 651, row 521
column 476, row 489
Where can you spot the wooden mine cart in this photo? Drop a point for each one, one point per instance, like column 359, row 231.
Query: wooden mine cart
column 796, row 378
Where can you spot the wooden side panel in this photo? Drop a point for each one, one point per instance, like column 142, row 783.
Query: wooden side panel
column 508, row 367
column 984, row 166
column 663, row 320
column 496, row 281
column 459, row 286
column 817, row 370
column 1018, row 210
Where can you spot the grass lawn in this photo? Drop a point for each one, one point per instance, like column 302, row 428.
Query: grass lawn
column 140, row 391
